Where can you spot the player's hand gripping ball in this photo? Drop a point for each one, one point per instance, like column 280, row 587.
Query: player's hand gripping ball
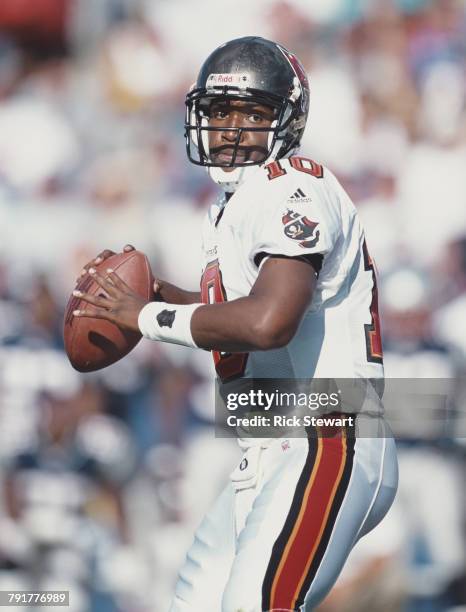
column 101, row 316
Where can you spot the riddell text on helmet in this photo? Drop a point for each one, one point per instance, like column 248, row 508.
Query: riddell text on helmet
column 228, row 79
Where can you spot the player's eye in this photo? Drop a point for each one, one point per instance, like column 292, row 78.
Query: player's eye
column 219, row 114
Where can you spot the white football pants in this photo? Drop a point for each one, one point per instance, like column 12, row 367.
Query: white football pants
column 281, row 531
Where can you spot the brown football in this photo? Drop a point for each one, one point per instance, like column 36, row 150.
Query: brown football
column 93, row 344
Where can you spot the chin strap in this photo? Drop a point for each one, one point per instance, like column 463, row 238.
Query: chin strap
column 231, row 181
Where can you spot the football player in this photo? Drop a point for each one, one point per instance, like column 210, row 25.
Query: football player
column 288, row 290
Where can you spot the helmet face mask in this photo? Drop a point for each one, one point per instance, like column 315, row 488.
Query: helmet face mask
column 198, row 129
column 254, row 70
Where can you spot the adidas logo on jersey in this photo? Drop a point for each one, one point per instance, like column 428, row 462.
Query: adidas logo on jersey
column 299, row 196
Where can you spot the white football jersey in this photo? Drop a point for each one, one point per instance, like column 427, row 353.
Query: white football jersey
column 296, row 208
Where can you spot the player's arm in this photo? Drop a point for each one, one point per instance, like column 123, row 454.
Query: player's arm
column 267, row 318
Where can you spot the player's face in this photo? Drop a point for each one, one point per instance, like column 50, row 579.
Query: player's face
column 234, row 114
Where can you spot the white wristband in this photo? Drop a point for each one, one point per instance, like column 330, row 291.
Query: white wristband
column 168, row 322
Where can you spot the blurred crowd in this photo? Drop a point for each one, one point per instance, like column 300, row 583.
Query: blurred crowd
column 104, row 476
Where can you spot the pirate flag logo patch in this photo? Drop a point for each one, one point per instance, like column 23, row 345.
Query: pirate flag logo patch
column 300, row 228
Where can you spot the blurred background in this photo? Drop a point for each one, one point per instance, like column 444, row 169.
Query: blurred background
column 104, row 476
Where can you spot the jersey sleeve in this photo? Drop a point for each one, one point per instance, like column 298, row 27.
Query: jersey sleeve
column 304, row 225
